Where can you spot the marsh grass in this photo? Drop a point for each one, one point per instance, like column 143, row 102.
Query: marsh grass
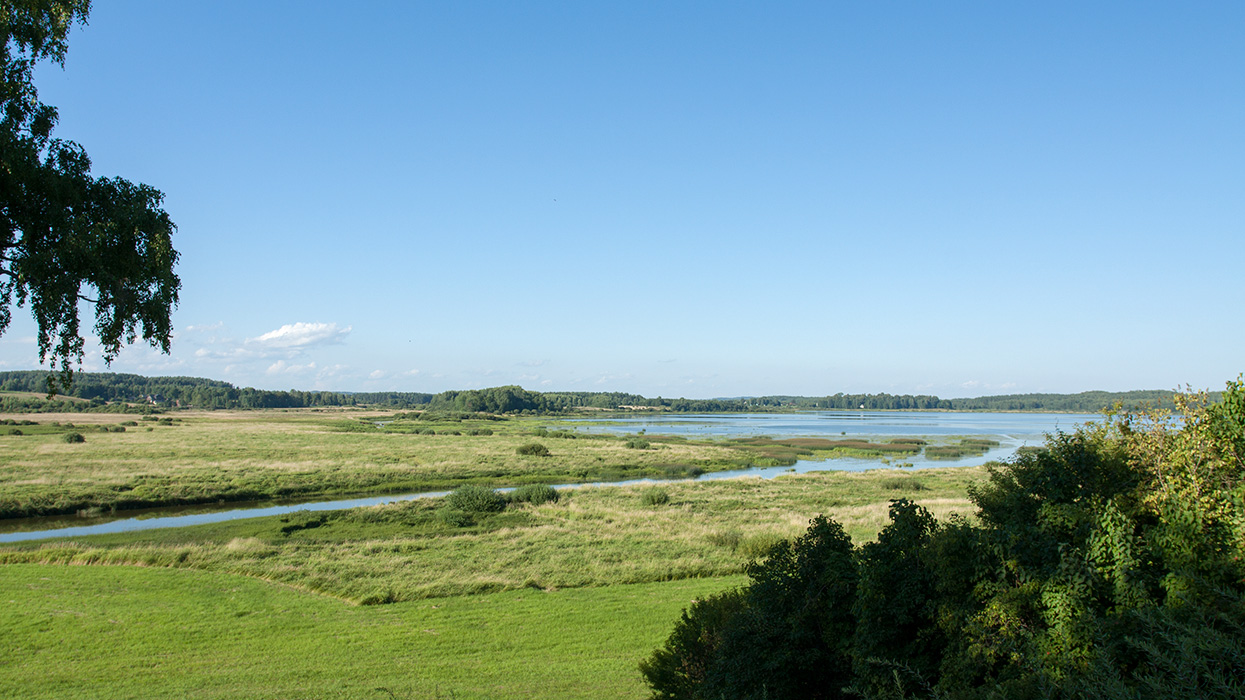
column 594, row 536
column 199, row 458
column 787, row 451
column 966, row 447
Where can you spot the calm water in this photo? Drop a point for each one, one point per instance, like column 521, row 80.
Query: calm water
column 835, row 423
column 1012, row 430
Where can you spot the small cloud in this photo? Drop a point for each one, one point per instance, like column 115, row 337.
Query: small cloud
column 283, row 367
column 410, row 373
column 203, row 328
column 534, row 363
column 377, row 374
column 302, row 335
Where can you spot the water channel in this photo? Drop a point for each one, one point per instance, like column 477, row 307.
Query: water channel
column 1011, row 430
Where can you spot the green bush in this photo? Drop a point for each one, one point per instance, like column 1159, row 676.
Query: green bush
column 637, row 444
column 532, row 449
column 73, row 437
column 473, row 498
column 654, row 496
column 13, row 431
column 535, row 494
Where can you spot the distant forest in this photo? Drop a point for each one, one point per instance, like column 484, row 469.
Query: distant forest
column 115, row 392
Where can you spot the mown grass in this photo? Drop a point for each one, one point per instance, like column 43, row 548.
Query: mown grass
column 125, row 632
column 253, row 456
column 596, row 536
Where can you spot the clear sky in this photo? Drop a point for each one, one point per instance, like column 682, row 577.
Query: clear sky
column 680, row 198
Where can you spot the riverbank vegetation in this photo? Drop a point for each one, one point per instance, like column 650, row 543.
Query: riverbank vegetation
column 215, row 457
column 475, row 541
column 126, row 463
column 1109, row 565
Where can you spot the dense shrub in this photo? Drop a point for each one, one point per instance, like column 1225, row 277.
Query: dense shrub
column 654, row 496
column 475, row 499
column 535, row 494
column 532, row 449
column 637, row 444
column 73, row 437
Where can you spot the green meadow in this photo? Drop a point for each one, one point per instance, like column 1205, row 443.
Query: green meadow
column 417, row 599
column 127, row 632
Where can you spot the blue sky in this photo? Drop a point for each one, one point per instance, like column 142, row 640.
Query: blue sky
column 680, row 199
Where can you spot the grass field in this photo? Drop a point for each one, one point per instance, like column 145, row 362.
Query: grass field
column 124, row 632
column 407, row 600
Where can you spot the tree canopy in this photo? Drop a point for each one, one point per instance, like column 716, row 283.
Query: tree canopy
column 67, row 236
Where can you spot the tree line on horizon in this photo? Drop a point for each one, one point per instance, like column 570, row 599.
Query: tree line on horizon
column 102, row 391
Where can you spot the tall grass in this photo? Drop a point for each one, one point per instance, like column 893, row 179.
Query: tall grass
column 589, row 537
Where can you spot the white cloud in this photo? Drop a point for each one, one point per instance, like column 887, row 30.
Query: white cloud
column 377, row 374
column 301, row 335
column 283, row 367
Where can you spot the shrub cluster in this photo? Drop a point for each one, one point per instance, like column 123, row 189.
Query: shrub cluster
column 532, row 449
column 654, row 496
column 475, row 499
column 535, row 494
column 73, row 437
